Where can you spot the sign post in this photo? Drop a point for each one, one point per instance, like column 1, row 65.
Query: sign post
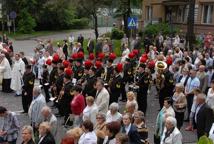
column 13, row 17
column 132, row 23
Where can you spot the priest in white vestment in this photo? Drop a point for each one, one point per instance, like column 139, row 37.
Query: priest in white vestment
column 17, row 73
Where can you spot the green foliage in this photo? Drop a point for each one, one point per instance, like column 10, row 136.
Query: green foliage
column 205, row 140
column 80, row 23
column 164, row 28
column 117, row 34
column 26, row 23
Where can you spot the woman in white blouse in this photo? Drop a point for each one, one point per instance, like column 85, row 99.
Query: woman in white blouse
column 113, row 114
column 91, row 110
column 210, row 96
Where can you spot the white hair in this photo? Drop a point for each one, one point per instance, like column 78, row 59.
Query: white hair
column 37, row 89
column 201, row 96
column 46, row 108
column 114, row 106
column 28, row 128
column 172, row 120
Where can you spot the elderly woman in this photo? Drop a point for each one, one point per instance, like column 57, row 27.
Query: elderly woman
column 91, row 110
column 113, row 114
column 121, row 138
column 210, row 96
column 171, row 133
column 45, row 136
column 179, row 104
column 27, row 135
column 89, row 136
column 139, row 122
column 100, row 127
column 74, row 134
column 166, row 111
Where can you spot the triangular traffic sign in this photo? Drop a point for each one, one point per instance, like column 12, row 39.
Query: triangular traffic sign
column 132, row 23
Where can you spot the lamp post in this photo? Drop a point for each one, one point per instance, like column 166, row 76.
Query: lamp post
column 171, row 26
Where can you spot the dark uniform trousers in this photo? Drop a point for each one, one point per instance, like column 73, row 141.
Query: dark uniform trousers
column 27, row 90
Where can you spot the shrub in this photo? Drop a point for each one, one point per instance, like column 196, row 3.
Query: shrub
column 79, row 23
column 26, row 23
column 164, row 28
column 205, row 140
column 117, row 34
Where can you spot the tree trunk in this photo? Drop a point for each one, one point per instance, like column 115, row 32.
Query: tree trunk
column 190, row 25
column 126, row 15
column 95, row 26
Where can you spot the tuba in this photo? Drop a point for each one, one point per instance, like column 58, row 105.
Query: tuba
column 160, row 66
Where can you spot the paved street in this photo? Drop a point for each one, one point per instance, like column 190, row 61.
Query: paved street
column 14, row 103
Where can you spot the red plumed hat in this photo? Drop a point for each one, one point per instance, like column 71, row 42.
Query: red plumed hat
column 131, row 55
column 169, row 60
column 88, row 64
column 56, row 57
column 80, row 55
column 143, row 60
column 48, row 62
column 112, row 56
column 145, row 55
column 151, row 64
column 98, row 64
column 65, row 63
column 68, row 71
column 91, row 56
column 74, row 56
column 101, row 56
column 119, row 67
column 135, row 51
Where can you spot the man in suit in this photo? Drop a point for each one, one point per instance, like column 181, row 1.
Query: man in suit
column 130, row 130
column 203, row 116
column 102, row 97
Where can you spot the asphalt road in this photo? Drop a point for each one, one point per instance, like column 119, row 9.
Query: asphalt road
column 14, row 103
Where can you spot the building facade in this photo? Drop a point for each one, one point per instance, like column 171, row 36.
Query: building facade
column 176, row 11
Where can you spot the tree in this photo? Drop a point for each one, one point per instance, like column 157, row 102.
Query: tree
column 91, row 7
column 26, row 24
column 124, row 9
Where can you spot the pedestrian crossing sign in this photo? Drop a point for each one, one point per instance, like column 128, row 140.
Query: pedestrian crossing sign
column 132, row 22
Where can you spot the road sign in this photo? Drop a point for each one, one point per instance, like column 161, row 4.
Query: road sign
column 13, row 15
column 132, row 22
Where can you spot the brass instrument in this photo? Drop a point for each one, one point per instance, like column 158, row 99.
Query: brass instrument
column 61, row 94
column 160, row 66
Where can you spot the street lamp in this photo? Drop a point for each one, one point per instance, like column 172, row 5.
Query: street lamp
column 171, row 26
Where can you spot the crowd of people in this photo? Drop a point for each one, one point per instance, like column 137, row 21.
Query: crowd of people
column 89, row 91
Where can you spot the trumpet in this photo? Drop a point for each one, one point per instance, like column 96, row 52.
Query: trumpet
column 61, row 94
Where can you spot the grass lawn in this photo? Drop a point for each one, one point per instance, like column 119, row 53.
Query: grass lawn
column 21, row 36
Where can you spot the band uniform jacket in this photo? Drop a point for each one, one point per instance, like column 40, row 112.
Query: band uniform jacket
column 78, row 72
column 89, row 89
column 28, row 80
column 128, row 75
column 53, row 76
column 109, row 73
column 59, row 83
column 45, row 77
column 115, row 88
column 143, row 81
column 100, row 72
column 67, row 97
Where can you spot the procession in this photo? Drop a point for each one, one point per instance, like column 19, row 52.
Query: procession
column 106, row 72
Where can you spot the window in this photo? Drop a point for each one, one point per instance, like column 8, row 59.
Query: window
column 148, row 13
column 207, row 14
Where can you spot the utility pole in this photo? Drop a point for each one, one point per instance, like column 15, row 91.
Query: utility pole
column 190, row 25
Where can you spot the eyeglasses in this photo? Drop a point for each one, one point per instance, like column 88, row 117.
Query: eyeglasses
column 99, row 118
